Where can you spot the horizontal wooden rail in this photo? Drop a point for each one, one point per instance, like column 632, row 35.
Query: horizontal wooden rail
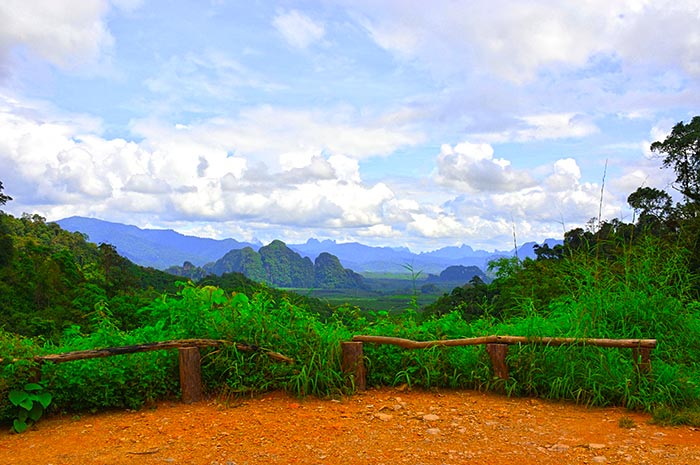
column 496, row 347
column 189, row 359
column 149, row 346
column 510, row 340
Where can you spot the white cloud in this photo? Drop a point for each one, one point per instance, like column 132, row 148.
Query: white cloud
column 56, row 31
column 209, row 74
column 298, row 30
column 566, row 174
column 182, row 172
column 438, row 226
column 517, row 40
column 472, row 168
column 145, row 184
column 539, row 127
column 379, row 231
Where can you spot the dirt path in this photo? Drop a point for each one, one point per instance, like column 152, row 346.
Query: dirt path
column 384, row 426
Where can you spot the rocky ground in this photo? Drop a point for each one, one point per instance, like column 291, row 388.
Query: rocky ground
column 386, row 426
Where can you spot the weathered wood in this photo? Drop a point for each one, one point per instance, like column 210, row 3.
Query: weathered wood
column 497, row 353
column 175, row 344
column 552, row 341
column 190, row 374
column 353, row 364
column 642, row 359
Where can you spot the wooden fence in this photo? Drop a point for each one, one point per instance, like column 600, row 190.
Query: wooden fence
column 496, row 347
column 189, row 359
column 352, row 362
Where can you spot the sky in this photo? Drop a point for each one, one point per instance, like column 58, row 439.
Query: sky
column 391, row 123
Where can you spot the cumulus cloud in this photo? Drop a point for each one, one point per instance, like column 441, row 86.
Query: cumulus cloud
column 473, row 168
column 298, row 30
column 182, row 172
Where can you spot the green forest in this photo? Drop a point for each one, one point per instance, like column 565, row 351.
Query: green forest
column 60, row 293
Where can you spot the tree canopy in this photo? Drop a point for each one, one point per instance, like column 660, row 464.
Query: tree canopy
column 3, row 198
column 682, row 152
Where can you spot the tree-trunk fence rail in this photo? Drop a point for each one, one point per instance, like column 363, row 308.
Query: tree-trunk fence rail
column 352, row 363
column 189, row 359
column 496, row 347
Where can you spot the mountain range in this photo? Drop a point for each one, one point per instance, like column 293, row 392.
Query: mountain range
column 163, row 248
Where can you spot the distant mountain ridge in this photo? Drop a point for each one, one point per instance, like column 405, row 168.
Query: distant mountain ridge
column 157, row 248
column 279, row 266
column 165, row 248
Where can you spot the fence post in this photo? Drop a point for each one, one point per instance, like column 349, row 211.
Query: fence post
column 642, row 359
column 353, row 364
column 190, row 374
column 497, row 353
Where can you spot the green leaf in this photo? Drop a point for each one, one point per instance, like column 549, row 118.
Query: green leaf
column 33, row 387
column 44, row 399
column 36, row 412
column 17, row 397
column 27, row 403
column 23, row 415
column 19, row 426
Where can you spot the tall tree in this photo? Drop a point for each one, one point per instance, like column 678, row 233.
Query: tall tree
column 682, row 152
column 3, row 198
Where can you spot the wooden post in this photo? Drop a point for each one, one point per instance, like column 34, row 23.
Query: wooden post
column 190, row 374
column 353, row 364
column 642, row 359
column 497, row 353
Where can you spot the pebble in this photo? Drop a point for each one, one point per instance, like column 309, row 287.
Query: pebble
column 559, row 447
column 430, row 417
column 433, row 431
column 599, row 459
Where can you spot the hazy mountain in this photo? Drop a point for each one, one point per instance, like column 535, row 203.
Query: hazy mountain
column 279, row 266
column 158, row 248
column 164, row 248
column 458, row 274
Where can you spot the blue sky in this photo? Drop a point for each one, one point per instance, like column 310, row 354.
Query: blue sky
column 397, row 123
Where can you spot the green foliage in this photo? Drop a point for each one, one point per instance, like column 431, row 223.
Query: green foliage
column 3, row 198
column 284, row 267
column 51, row 279
column 31, row 401
column 682, row 152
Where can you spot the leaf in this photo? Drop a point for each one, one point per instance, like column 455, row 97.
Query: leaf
column 44, row 399
column 33, row 387
column 23, row 415
column 36, row 412
column 27, row 403
column 17, row 397
column 19, row 426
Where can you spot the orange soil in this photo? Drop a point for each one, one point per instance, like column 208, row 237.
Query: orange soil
column 385, row 426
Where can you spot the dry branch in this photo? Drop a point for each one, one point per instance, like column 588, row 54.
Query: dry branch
column 176, row 344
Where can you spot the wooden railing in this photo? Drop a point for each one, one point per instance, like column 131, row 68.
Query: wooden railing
column 496, row 347
column 189, row 359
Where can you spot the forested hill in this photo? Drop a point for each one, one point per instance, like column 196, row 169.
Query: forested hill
column 279, row 266
column 53, row 280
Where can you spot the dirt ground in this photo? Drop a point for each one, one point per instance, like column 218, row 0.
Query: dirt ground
column 386, row 426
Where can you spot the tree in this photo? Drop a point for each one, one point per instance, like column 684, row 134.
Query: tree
column 682, row 152
column 3, row 198
column 649, row 201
